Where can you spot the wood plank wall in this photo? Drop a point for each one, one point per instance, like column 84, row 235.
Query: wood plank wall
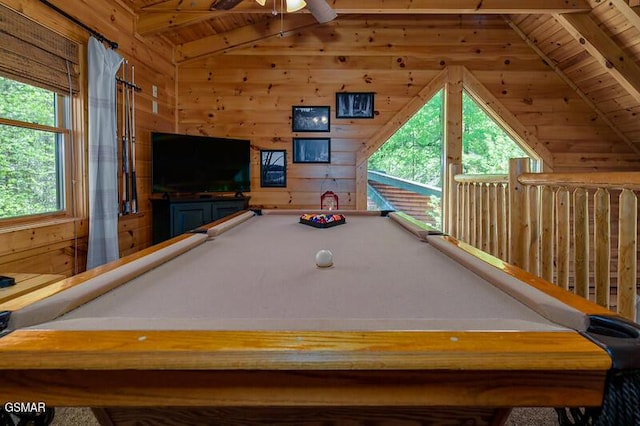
column 50, row 247
column 248, row 92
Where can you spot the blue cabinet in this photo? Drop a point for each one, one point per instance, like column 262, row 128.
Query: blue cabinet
column 175, row 216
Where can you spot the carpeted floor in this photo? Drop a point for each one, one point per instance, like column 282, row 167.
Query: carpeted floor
column 519, row 417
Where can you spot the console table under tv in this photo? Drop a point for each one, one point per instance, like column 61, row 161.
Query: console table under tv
column 176, row 215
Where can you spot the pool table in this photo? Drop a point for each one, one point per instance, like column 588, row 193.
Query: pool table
column 235, row 322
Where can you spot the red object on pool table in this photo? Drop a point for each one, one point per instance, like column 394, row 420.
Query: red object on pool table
column 237, row 324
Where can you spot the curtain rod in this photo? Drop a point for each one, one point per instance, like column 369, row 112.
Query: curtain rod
column 90, row 30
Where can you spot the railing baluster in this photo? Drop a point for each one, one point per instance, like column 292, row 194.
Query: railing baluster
column 486, row 218
column 581, row 242
column 472, row 214
column 518, row 218
column 493, row 223
column 503, row 221
column 478, row 213
column 467, row 212
column 627, row 254
column 534, row 229
column 602, row 246
column 460, row 211
column 547, row 207
column 562, row 237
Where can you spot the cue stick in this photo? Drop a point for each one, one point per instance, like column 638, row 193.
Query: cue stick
column 134, row 188
column 125, row 141
column 123, row 198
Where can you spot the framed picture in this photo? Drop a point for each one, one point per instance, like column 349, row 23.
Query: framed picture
column 310, row 118
column 354, row 105
column 311, row 150
column 273, row 168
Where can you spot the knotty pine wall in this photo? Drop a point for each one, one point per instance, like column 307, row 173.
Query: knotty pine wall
column 248, row 92
column 48, row 247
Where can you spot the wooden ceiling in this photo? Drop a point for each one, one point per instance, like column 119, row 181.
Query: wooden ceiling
column 593, row 45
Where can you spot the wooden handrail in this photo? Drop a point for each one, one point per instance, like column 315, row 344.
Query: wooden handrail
column 481, row 178
column 594, row 180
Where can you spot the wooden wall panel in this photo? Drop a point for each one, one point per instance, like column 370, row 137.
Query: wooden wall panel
column 51, row 248
column 248, row 92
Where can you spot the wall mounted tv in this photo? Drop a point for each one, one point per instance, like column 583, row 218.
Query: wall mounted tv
column 184, row 164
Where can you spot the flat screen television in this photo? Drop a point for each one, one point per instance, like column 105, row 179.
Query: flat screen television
column 184, row 164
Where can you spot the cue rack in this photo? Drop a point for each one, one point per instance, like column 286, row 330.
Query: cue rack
column 128, row 187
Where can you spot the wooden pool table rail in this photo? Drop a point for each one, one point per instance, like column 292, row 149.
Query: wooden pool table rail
column 295, row 350
column 211, row 388
column 579, row 303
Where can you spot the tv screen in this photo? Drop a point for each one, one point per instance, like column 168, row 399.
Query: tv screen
column 195, row 164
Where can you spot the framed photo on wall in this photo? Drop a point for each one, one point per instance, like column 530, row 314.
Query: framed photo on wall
column 310, row 118
column 311, row 150
column 354, row 105
column 273, row 168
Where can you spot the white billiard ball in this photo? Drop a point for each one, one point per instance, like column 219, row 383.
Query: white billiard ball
column 324, row 258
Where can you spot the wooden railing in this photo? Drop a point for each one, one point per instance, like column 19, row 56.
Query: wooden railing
column 482, row 211
column 543, row 223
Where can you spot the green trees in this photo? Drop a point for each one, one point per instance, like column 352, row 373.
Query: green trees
column 30, row 156
column 414, row 152
column 486, row 147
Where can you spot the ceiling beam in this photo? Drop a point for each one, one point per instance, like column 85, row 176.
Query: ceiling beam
column 594, row 40
column 154, row 23
column 241, row 37
column 176, row 13
column 624, row 7
column 395, row 6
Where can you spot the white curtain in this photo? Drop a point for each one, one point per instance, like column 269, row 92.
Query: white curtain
column 103, row 155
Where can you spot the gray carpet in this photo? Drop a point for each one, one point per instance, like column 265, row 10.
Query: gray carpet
column 519, row 417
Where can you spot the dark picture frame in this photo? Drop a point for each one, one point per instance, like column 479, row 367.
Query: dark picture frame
column 311, row 150
column 273, row 168
column 310, row 118
column 354, row 104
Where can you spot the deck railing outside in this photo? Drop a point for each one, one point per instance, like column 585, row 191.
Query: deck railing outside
column 543, row 223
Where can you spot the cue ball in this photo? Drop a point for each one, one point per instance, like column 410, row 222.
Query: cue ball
column 324, row 258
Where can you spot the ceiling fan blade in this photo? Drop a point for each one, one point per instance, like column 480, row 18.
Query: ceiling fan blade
column 224, row 4
column 321, row 10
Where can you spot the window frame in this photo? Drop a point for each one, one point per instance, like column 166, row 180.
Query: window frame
column 62, row 131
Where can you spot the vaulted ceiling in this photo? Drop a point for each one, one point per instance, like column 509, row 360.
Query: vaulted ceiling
column 592, row 45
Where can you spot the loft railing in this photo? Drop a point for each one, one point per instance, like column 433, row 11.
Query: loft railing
column 543, row 223
column 482, row 212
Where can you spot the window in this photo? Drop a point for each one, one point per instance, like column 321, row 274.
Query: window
column 406, row 172
column 39, row 73
column 32, row 136
column 486, row 146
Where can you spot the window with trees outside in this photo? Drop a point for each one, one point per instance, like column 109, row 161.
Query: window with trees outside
column 32, row 135
column 411, row 159
column 486, row 147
